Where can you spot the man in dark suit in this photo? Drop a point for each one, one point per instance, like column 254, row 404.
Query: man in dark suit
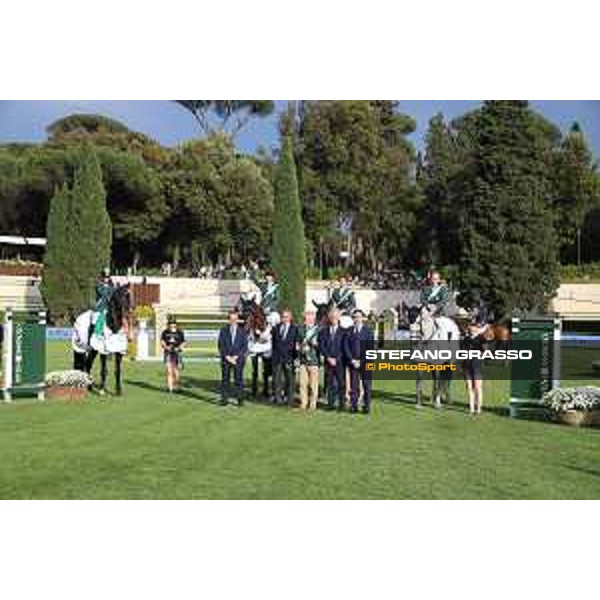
column 285, row 341
column 331, row 347
column 233, row 347
column 358, row 339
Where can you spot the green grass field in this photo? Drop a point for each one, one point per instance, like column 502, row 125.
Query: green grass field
column 147, row 445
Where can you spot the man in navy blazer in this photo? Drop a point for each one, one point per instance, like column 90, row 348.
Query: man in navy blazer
column 359, row 338
column 283, row 356
column 331, row 347
column 233, row 347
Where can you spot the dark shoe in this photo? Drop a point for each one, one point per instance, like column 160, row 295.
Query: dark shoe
column 366, row 411
column 354, row 410
column 223, row 403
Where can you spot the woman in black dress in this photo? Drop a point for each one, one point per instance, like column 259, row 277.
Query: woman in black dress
column 172, row 340
column 472, row 367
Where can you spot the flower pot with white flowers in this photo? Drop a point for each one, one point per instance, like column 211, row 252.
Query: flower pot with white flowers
column 579, row 406
column 71, row 385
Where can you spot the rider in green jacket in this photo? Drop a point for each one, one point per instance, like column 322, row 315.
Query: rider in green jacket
column 104, row 291
column 435, row 295
column 269, row 291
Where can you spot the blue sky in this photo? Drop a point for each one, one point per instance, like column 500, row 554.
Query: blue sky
column 26, row 120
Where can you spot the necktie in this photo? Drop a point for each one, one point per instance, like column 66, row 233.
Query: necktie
column 232, row 334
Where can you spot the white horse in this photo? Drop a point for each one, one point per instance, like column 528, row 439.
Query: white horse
column 425, row 328
column 90, row 339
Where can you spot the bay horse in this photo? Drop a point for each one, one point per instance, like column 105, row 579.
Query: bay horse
column 90, row 339
column 323, row 309
column 258, row 326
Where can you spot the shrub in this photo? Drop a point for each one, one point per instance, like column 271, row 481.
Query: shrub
column 144, row 312
column 586, row 272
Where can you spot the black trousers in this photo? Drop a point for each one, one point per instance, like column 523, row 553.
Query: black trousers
column 335, row 384
column 358, row 376
column 227, row 372
column 284, row 376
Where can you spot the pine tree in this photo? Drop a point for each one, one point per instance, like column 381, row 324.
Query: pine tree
column 289, row 248
column 508, row 250
column 577, row 190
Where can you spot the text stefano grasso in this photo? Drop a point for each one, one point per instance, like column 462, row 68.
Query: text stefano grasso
column 447, row 354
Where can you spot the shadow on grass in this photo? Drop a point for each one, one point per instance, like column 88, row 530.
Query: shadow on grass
column 584, row 470
column 209, row 391
column 184, row 392
column 409, row 400
column 204, row 390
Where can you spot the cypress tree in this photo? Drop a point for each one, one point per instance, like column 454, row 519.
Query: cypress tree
column 92, row 230
column 57, row 282
column 289, row 247
column 436, row 176
column 78, row 240
column 508, row 248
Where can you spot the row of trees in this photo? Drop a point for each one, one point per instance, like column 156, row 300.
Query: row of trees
column 505, row 196
column 79, row 237
column 498, row 196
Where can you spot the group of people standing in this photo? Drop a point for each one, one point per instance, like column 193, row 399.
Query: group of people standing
column 315, row 355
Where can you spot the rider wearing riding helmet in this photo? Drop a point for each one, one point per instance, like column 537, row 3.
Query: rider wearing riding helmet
column 343, row 296
column 269, row 291
column 435, row 295
column 104, row 291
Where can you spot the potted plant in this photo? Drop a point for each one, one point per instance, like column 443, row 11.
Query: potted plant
column 575, row 406
column 144, row 315
column 67, row 385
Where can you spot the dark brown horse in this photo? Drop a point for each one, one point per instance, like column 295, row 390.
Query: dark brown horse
column 259, row 344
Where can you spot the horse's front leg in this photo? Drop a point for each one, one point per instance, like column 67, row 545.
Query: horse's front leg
column 447, row 380
column 118, row 363
column 437, row 389
column 419, row 389
column 79, row 361
column 267, row 377
column 103, row 373
column 254, row 360
column 88, row 360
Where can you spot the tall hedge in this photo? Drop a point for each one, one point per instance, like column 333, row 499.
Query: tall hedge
column 289, row 246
